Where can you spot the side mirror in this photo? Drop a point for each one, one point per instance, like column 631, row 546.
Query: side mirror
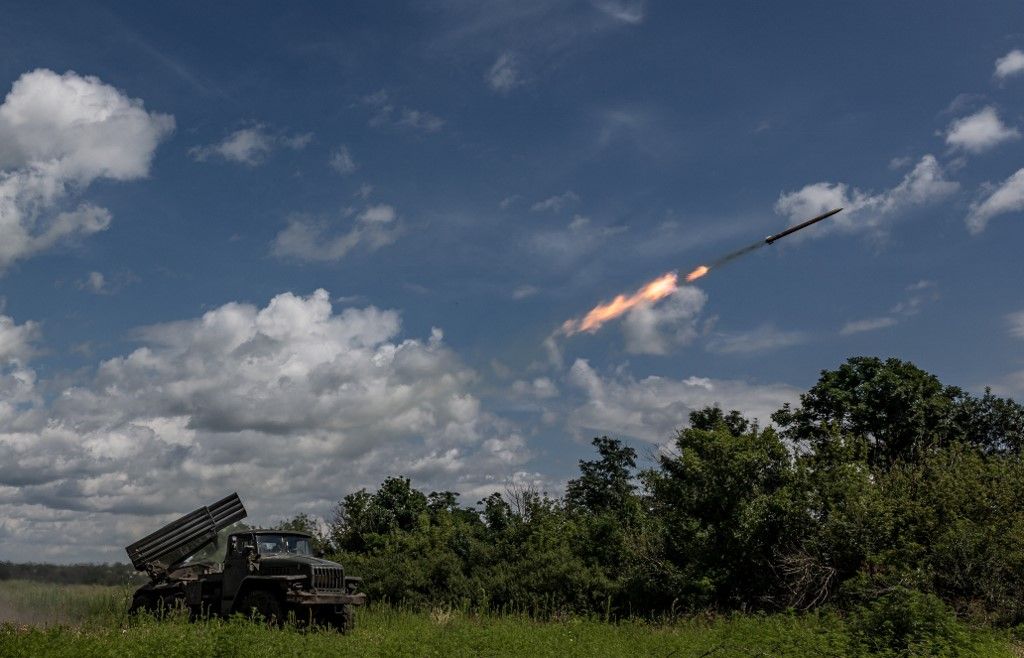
column 320, row 553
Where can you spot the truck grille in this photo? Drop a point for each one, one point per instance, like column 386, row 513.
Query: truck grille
column 327, row 578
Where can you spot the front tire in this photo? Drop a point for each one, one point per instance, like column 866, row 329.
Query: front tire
column 347, row 619
column 265, row 605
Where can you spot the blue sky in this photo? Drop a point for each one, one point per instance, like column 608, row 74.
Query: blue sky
column 293, row 250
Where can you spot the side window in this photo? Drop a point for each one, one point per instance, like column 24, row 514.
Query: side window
column 233, row 545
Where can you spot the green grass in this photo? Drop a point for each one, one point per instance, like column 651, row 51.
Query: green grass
column 91, row 620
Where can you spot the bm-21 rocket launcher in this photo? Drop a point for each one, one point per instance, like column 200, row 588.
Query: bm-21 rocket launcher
column 273, row 574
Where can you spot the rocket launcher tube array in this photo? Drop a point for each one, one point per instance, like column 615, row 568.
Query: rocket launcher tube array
column 158, row 552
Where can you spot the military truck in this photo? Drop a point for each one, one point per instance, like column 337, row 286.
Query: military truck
column 270, row 573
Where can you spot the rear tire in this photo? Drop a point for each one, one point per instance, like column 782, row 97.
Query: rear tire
column 141, row 603
column 160, row 605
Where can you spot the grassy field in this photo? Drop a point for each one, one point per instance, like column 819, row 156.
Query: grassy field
column 38, row 620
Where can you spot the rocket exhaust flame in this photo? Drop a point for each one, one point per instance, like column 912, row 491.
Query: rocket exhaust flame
column 668, row 283
column 662, row 287
column 697, row 273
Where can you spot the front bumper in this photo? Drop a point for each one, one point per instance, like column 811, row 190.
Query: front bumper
column 311, row 598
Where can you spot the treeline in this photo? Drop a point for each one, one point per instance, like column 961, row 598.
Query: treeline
column 69, row 574
column 883, row 488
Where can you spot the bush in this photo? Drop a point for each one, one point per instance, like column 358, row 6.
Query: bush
column 907, row 622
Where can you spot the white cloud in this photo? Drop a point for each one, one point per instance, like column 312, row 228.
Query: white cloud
column 296, row 142
column 567, row 246
column 1012, row 63
column 556, row 203
column 522, row 292
column 16, row 340
column 622, row 10
column 980, row 131
column 420, row 120
column 310, row 240
column 540, row 388
column 1016, row 321
column 507, row 202
column 249, row 146
column 653, row 408
column 95, row 283
column 503, row 76
column 59, row 133
column 868, row 324
column 761, row 339
column 385, row 113
column 342, row 161
column 924, row 184
column 293, row 405
column 658, row 328
column 1007, row 197
column 919, row 294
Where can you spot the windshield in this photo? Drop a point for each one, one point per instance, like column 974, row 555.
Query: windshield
column 283, row 545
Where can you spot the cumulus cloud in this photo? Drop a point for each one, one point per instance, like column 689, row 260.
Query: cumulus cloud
column 1012, row 63
column 58, row 134
column 342, row 161
column 384, row 112
column 1008, row 196
column 980, row 131
column 541, row 388
column 764, row 338
column 16, row 340
column 658, row 328
column 653, row 408
column 863, row 211
column 311, row 240
column 503, row 76
column 249, row 146
column 292, row 404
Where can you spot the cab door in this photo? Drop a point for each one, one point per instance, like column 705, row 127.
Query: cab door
column 236, row 568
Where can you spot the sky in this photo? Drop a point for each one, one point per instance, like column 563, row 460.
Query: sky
column 291, row 250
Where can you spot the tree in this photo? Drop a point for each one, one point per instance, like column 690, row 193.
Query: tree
column 994, row 424
column 899, row 409
column 606, row 483
column 303, row 522
column 722, row 502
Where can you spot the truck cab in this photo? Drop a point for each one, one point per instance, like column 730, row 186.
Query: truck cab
column 282, row 565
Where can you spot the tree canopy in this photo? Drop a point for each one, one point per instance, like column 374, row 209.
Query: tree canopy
column 882, row 481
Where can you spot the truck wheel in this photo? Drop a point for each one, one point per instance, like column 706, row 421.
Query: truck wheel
column 141, row 603
column 168, row 604
column 347, row 619
column 264, row 604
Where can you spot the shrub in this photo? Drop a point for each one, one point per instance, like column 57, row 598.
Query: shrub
column 907, row 622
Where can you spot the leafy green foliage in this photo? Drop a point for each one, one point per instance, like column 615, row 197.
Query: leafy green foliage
column 883, row 478
column 905, row 622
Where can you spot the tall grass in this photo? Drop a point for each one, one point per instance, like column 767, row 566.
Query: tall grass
column 87, row 620
column 45, row 604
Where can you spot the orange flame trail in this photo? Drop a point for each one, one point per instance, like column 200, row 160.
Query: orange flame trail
column 662, row 287
column 697, row 273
